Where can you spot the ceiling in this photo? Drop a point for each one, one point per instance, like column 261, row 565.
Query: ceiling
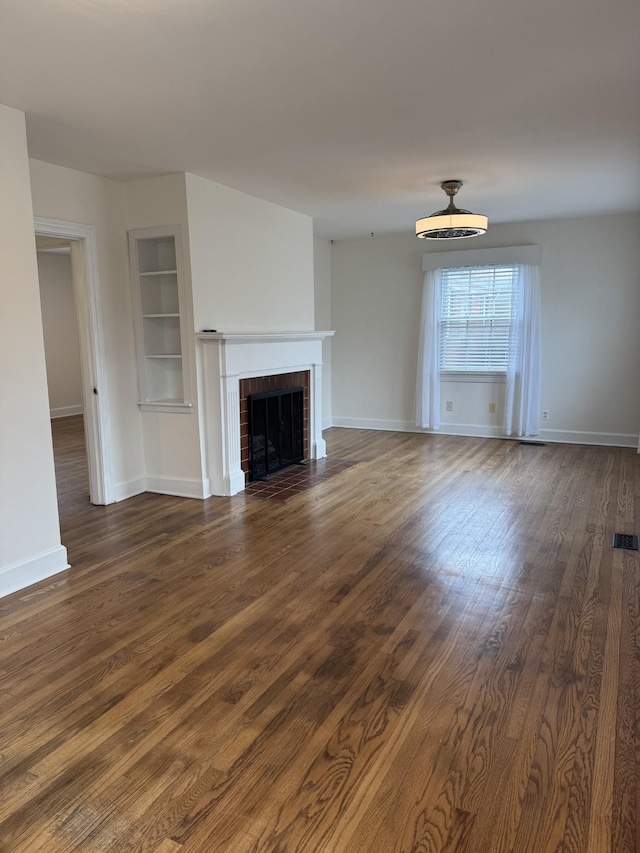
column 351, row 111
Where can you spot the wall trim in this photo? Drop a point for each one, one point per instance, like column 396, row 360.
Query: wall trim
column 481, row 257
column 163, row 486
column 66, row 411
column 603, row 439
column 477, row 431
column 88, row 303
column 129, row 489
column 176, row 487
column 18, row 575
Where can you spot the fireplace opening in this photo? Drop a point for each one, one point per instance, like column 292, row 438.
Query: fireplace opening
column 276, row 431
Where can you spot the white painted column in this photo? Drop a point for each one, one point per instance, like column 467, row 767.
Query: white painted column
column 233, row 475
column 30, row 548
column 318, row 444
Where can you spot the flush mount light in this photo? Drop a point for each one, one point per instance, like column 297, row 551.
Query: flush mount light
column 451, row 223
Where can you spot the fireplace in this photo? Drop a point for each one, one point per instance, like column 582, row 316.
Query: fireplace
column 272, row 384
column 237, row 365
column 275, row 431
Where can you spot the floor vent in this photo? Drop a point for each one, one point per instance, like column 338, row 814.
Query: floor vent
column 626, row 541
column 534, row 443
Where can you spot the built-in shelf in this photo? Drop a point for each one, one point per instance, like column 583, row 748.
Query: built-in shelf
column 160, row 319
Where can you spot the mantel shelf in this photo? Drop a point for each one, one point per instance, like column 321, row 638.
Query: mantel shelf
column 262, row 337
column 165, row 355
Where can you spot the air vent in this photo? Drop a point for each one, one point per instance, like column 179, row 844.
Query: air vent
column 626, row 541
column 534, row 443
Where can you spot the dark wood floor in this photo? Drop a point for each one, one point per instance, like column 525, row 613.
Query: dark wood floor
column 72, row 474
column 435, row 650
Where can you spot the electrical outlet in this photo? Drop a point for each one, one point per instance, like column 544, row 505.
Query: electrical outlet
column 492, row 408
column 545, row 414
column 449, row 405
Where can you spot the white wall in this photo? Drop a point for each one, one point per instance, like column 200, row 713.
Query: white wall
column 251, row 261
column 375, row 311
column 590, row 342
column 322, row 293
column 62, row 352
column 66, row 194
column 30, row 546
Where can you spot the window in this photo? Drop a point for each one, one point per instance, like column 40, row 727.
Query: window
column 475, row 318
column 480, row 322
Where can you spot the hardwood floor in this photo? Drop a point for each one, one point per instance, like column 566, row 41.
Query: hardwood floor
column 435, row 650
column 72, row 473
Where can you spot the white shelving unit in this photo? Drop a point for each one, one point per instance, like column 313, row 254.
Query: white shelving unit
column 160, row 319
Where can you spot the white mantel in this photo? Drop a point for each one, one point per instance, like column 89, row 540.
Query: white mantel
column 227, row 357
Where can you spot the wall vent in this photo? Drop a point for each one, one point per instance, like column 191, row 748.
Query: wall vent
column 534, row 443
column 626, row 541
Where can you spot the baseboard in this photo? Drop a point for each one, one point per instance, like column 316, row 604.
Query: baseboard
column 176, row 487
column 66, row 411
column 129, row 489
column 319, row 449
column 374, row 423
column 327, row 423
column 474, row 430
column 163, row 486
column 25, row 572
column 603, row 439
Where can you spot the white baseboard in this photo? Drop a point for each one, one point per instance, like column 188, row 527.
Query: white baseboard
column 604, row 439
column 374, row 423
column 66, row 411
column 474, row 430
column 327, row 423
column 319, row 449
column 232, row 484
column 25, row 572
column 162, row 486
column 129, row 489
column 176, row 487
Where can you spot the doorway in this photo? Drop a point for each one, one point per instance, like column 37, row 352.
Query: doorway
column 64, row 374
column 81, row 240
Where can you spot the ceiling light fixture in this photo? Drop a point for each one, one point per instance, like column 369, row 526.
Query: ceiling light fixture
column 451, row 223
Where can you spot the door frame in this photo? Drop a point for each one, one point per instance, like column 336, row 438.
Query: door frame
column 95, row 390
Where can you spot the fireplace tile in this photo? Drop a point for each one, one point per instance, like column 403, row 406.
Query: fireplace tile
column 296, row 480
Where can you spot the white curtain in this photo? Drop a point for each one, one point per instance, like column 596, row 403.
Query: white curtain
column 427, row 413
column 522, row 393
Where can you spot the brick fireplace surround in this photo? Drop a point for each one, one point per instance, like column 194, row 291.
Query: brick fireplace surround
column 234, row 365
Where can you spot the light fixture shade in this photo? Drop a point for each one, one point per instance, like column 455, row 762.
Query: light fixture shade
column 451, row 223
column 451, row 226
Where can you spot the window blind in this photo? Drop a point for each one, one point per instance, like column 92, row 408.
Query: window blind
column 475, row 318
